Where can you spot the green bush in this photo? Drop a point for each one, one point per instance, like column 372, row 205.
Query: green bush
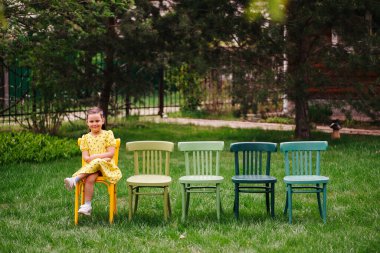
column 320, row 113
column 29, row 147
column 280, row 120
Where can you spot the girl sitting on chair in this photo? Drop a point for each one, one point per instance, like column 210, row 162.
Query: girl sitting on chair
column 98, row 148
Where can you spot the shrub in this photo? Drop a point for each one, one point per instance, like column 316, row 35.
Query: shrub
column 29, row 147
column 320, row 113
column 280, row 120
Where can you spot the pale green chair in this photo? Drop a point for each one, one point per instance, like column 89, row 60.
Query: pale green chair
column 202, row 163
column 303, row 174
column 151, row 170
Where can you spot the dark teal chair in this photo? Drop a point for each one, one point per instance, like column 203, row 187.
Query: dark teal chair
column 252, row 171
column 303, row 174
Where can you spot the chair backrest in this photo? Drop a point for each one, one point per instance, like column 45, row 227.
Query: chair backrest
column 202, row 157
column 115, row 157
column 251, row 157
column 150, row 157
column 303, row 157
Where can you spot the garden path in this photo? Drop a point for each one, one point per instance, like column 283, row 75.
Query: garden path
column 246, row 124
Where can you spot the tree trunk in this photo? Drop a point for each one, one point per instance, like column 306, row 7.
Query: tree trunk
column 298, row 43
column 297, row 92
column 6, row 87
column 161, row 93
column 302, row 130
column 106, row 90
column 108, row 71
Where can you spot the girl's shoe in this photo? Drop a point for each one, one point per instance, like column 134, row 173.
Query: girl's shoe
column 69, row 183
column 85, row 209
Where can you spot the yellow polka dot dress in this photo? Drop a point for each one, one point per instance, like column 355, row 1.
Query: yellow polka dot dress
column 98, row 145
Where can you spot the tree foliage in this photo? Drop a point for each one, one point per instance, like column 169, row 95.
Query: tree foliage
column 314, row 60
column 101, row 45
column 78, row 49
column 2, row 19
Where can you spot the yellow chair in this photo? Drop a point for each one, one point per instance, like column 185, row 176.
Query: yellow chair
column 79, row 189
column 151, row 170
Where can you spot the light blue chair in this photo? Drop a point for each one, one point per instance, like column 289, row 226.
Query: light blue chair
column 303, row 174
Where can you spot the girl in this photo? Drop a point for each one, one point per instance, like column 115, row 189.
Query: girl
column 98, row 148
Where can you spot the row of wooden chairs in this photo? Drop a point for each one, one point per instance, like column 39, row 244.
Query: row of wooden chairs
column 202, row 164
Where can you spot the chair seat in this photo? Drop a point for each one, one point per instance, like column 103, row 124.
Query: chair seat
column 149, row 180
column 201, row 179
column 311, row 179
column 253, row 179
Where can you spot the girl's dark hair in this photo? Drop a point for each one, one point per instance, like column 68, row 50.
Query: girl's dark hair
column 94, row 110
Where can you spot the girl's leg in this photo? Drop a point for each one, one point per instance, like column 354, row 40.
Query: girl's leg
column 70, row 182
column 88, row 192
column 81, row 176
column 89, row 185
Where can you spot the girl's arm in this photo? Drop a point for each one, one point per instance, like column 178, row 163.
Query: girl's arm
column 86, row 156
column 107, row 155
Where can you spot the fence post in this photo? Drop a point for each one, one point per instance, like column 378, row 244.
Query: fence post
column 161, row 92
column 6, row 87
column 127, row 105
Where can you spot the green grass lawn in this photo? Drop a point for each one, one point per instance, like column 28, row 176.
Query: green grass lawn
column 36, row 212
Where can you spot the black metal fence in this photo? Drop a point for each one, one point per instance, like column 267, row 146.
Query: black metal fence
column 14, row 91
column 19, row 102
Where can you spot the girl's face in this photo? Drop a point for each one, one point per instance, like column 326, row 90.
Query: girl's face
column 95, row 122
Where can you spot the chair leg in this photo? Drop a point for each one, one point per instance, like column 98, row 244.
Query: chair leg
column 76, row 203
column 111, row 191
column 324, row 202
column 272, row 199
column 169, row 206
column 286, row 202
column 136, row 199
column 183, row 202
column 166, row 203
column 218, row 202
column 115, row 201
column 236, row 202
column 221, row 207
column 82, row 191
column 130, row 195
column 187, row 199
column 319, row 202
column 267, row 197
column 290, row 202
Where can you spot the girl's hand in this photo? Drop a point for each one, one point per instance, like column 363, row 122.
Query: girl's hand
column 88, row 159
column 92, row 157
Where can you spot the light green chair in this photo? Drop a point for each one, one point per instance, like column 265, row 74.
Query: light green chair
column 303, row 174
column 151, row 170
column 202, row 163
